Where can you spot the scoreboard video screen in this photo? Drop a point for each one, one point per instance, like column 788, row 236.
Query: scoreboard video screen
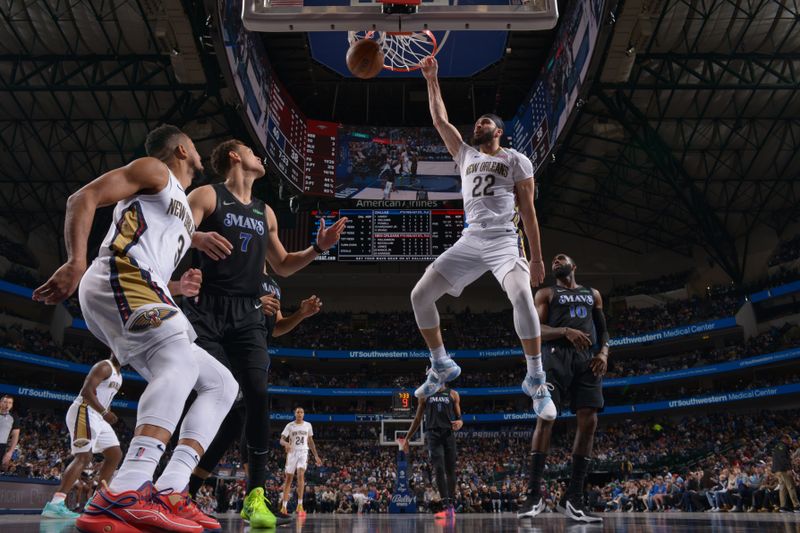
column 392, row 234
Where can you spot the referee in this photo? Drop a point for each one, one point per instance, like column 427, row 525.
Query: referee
column 9, row 429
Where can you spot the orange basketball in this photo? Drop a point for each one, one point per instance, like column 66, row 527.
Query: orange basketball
column 365, row 58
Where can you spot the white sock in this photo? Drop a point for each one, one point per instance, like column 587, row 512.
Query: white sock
column 141, row 461
column 438, row 354
column 58, row 497
column 176, row 474
column 300, row 502
column 534, row 363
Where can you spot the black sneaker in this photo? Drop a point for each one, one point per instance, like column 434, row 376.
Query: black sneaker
column 281, row 519
column 786, row 510
column 532, row 506
column 574, row 509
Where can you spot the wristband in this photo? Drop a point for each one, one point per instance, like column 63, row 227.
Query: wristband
column 318, row 249
column 104, row 413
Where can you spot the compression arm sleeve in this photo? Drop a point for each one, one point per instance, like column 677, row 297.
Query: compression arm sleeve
column 600, row 326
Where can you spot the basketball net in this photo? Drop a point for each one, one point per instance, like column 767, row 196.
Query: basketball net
column 402, row 51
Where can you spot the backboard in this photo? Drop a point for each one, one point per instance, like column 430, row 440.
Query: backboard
column 398, row 15
column 392, row 429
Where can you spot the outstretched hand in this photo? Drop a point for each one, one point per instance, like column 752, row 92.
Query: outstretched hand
column 327, row 237
column 61, row 284
column 310, row 306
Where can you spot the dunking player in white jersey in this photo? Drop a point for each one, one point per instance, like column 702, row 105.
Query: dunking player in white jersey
column 297, row 438
column 89, row 420
column 494, row 181
column 127, row 304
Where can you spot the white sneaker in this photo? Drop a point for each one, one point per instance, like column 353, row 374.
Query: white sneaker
column 439, row 373
column 537, row 388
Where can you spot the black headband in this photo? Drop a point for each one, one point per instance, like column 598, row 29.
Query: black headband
column 497, row 120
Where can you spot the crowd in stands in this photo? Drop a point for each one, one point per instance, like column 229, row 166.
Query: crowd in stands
column 297, row 373
column 666, row 283
column 639, row 320
column 787, row 250
column 715, row 461
column 39, row 342
column 770, row 341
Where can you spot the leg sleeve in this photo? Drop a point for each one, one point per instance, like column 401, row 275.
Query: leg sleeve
column 216, row 390
column 517, row 285
column 427, row 291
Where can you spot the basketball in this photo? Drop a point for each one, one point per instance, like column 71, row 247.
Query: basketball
column 365, row 58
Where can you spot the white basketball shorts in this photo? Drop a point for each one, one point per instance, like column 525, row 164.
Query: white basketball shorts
column 476, row 252
column 88, row 431
column 296, row 459
column 127, row 308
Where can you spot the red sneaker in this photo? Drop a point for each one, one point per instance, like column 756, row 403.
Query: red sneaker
column 441, row 515
column 137, row 511
column 102, row 513
column 181, row 504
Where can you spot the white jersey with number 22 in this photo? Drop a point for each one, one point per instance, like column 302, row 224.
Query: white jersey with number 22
column 487, row 185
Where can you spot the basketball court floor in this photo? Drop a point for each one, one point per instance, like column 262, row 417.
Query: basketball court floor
column 482, row 523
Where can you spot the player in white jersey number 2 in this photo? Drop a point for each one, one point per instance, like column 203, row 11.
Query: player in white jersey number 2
column 297, row 438
column 495, row 182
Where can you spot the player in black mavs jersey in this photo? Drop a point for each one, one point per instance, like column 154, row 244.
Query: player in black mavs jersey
column 227, row 314
column 572, row 323
column 442, row 412
column 277, row 325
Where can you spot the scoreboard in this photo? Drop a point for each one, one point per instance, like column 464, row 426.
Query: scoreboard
column 302, row 150
column 392, row 234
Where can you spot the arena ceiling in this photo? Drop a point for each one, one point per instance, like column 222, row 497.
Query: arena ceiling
column 687, row 135
column 689, row 132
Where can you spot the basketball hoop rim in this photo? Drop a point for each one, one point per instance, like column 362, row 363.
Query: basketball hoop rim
column 428, row 33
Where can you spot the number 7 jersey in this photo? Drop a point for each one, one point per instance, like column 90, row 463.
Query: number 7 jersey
column 487, row 185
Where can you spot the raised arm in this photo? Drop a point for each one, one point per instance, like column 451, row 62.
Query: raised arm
column 146, row 175
column 527, row 211
column 284, row 324
column 449, row 134
column 99, row 372
column 284, row 263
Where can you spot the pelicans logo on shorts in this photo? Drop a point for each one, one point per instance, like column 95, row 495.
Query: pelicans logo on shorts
column 152, row 318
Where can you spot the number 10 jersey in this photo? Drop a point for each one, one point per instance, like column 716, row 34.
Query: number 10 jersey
column 487, row 185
